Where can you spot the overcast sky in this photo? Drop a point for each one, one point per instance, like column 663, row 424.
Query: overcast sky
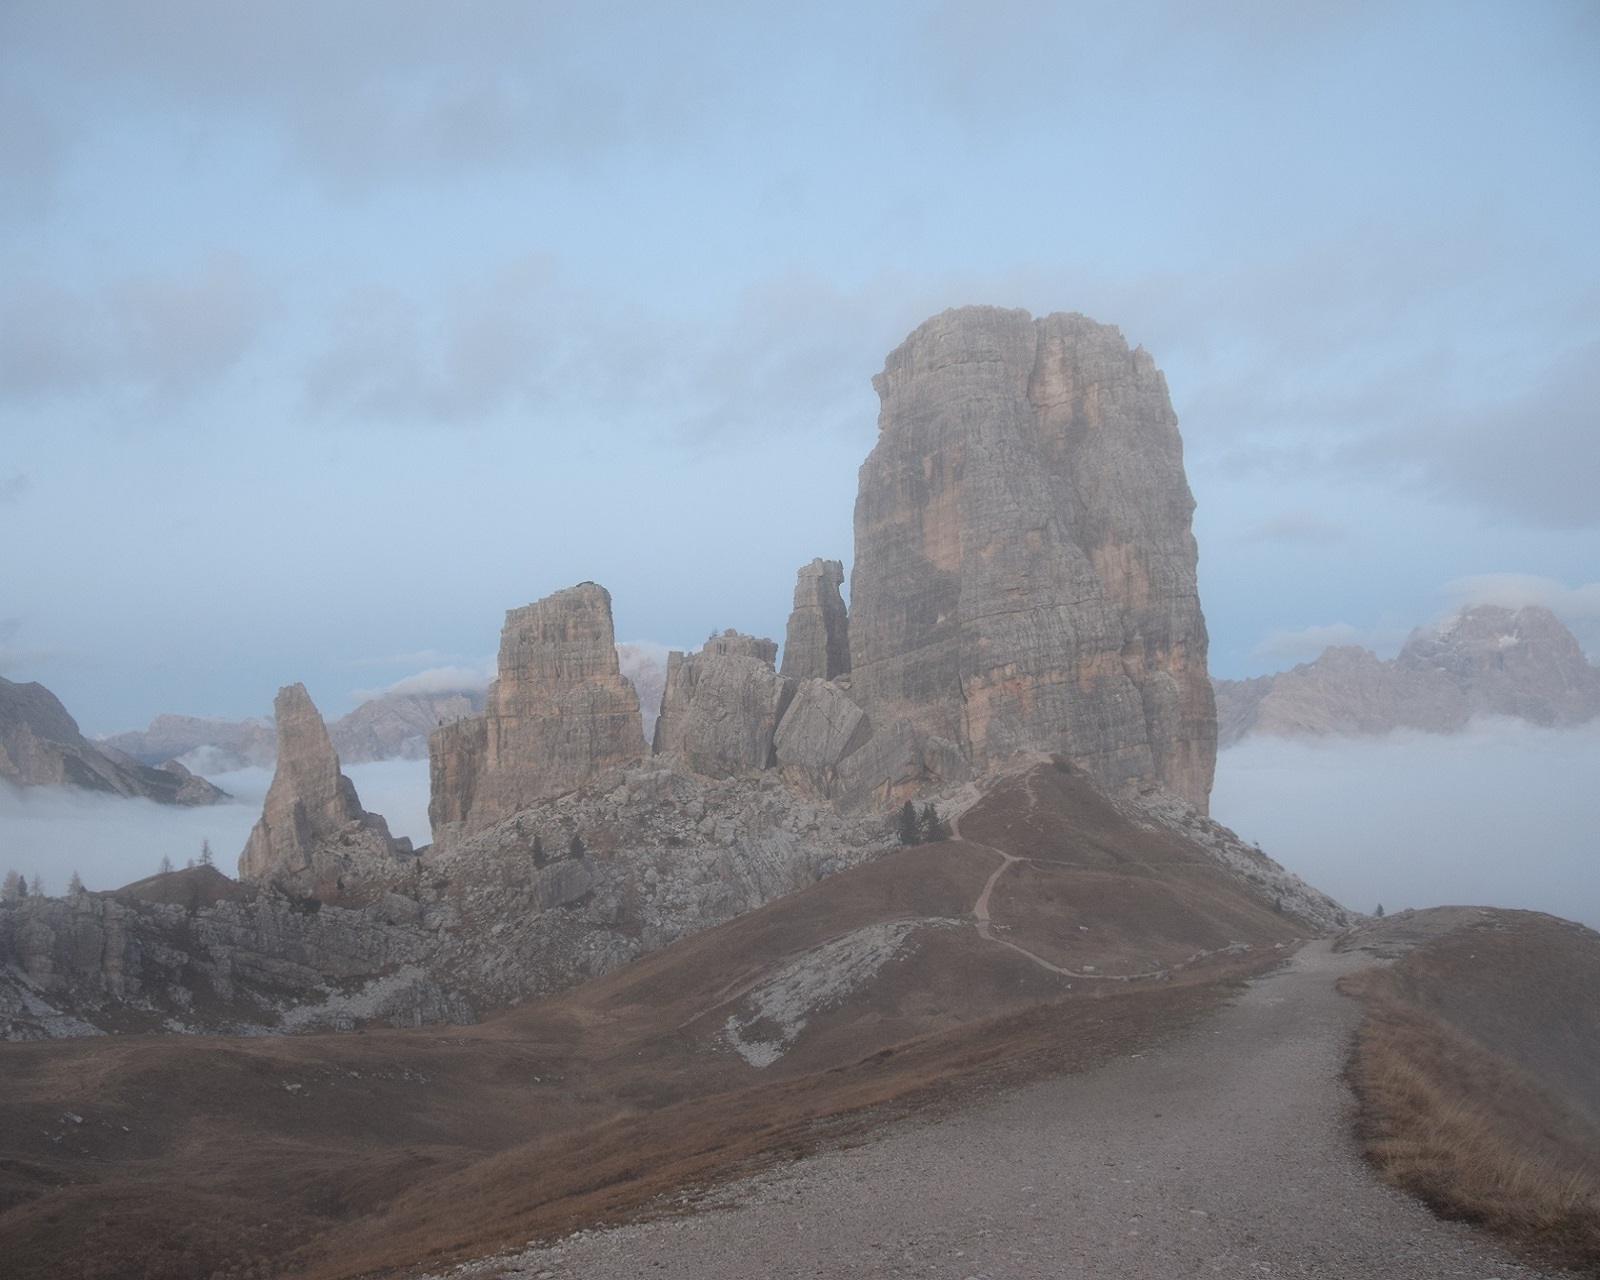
column 329, row 331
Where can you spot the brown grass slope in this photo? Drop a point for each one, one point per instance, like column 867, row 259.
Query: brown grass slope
column 1476, row 1067
column 339, row 1155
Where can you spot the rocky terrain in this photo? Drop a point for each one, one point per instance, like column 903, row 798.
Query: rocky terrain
column 1486, row 660
column 40, row 745
column 563, row 847
column 314, row 839
column 871, row 986
column 957, row 839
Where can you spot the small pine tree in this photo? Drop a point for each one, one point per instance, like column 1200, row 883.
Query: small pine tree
column 207, row 859
column 934, row 828
column 538, row 852
column 166, row 866
column 1378, row 912
column 15, row 887
column 75, row 885
column 909, row 828
column 575, row 846
column 37, row 887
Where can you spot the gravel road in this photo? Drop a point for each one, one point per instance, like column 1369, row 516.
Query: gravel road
column 1226, row 1152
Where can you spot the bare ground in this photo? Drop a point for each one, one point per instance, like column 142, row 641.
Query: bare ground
column 1227, row 1150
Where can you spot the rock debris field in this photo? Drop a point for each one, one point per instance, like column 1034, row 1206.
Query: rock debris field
column 1227, row 1152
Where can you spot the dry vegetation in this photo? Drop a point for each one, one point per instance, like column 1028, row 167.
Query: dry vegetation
column 370, row 1152
column 1476, row 1072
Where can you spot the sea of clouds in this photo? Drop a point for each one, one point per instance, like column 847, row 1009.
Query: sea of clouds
column 111, row 841
column 1505, row 814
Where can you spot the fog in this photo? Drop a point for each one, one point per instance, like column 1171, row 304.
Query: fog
column 1504, row 814
column 111, row 841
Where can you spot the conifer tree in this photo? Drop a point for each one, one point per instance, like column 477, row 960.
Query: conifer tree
column 909, row 828
column 575, row 846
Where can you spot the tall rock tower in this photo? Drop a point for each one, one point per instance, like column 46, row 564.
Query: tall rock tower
column 559, row 712
column 1024, row 574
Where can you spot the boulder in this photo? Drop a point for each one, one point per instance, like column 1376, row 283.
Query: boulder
column 821, row 727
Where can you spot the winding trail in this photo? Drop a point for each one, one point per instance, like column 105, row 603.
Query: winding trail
column 980, row 913
column 1226, row 1151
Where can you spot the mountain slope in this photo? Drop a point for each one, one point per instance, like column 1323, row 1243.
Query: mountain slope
column 191, row 1155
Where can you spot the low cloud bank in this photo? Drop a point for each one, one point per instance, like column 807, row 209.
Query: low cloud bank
column 111, row 841
column 1504, row 814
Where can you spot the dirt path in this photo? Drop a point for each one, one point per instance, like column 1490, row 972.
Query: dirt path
column 980, row 914
column 1226, row 1152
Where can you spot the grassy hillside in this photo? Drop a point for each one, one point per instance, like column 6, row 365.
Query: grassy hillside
column 869, row 993
column 1476, row 1070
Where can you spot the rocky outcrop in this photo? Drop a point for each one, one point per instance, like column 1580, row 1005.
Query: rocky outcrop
column 559, row 712
column 314, row 838
column 1485, row 660
column 194, row 951
column 40, row 745
column 819, row 730
column 1025, row 571
column 722, row 706
column 816, row 645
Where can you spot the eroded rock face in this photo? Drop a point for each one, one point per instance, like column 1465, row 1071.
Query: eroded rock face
column 40, row 746
column 817, row 643
column 821, row 727
column 722, row 706
column 314, row 838
column 559, row 712
column 1485, row 660
column 1025, row 571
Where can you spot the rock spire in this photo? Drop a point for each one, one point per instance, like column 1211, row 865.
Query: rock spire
column 559, row 712
column 817, row 643
column 1025, row 572
column 313, row 837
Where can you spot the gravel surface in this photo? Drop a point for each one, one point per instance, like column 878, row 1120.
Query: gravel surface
column 1225, row 1152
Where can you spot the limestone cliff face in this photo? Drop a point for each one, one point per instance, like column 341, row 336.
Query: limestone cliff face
column 1025, row 571
column 40, row 745
column 722, row 706
column 559, row 712
column 817, row 643
column 1485, row 660
column 314, row 837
